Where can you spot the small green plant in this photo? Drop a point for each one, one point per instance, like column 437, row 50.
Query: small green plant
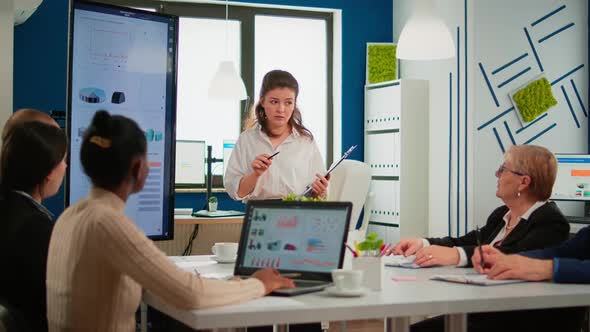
column 381, row 63
column 212, row 199
column 534, row 99
column 292, row 197
column 371, row 243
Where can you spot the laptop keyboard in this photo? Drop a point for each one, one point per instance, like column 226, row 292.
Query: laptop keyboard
column 304, row 283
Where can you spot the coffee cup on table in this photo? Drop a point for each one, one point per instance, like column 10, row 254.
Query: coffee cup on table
column 347, row 280
column 225, row 250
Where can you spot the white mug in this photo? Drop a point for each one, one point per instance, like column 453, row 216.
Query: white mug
column 225, row 250
column 347, row 280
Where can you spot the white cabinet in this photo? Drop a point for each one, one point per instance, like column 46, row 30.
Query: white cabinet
column 396, row 149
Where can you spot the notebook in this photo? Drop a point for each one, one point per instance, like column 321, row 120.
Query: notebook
column 303, row 238
column 401, row 261
column 474, row 279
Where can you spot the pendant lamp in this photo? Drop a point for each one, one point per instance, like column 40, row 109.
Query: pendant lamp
column 425, row 36
column 226, row 83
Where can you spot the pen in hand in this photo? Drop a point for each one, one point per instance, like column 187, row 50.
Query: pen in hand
column 273, row 155
column 478, row 238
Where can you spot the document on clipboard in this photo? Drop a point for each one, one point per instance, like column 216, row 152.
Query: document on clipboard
column 474, row 279
column 334, row 165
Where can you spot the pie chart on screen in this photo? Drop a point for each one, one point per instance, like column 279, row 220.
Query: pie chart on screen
column 92, row 95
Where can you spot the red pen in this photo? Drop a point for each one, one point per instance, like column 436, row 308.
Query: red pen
column 351, row 250
column 384, row 249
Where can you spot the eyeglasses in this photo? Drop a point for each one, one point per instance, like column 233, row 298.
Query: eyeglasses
column 503, row 168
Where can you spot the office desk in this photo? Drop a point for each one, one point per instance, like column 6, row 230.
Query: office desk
column 396, row 302
column 211, row 230
column 190, row 220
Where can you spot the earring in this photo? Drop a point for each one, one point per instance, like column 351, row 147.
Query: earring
column 518, row 194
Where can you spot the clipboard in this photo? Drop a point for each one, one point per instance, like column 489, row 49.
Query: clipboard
column 333, row 167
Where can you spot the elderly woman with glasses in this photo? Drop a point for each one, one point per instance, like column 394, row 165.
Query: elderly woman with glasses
column 527, row 220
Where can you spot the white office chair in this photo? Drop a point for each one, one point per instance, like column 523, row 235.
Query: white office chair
column 350, row 182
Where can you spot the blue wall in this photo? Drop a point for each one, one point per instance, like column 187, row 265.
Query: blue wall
column 40, row 67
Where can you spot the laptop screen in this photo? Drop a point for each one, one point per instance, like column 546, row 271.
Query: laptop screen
column 293, row 236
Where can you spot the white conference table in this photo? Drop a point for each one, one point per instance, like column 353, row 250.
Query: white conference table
column 395, row 303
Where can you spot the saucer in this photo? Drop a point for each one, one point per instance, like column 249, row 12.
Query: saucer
column 346, row 293
column 224, row 260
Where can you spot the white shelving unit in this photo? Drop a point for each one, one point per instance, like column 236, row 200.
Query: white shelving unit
column 396, row 149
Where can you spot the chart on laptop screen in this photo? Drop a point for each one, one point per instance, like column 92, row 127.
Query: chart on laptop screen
column 295, row 239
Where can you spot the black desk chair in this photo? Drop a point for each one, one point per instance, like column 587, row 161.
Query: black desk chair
column 11, row 320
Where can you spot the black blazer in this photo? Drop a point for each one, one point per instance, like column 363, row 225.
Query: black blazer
column 24, row 243
column 545, row 227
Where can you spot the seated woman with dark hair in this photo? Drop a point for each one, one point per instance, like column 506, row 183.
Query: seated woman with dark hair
column 32, row 168
column 99, row 261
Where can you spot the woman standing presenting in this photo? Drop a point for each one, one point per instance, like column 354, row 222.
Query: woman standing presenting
column 253, row 172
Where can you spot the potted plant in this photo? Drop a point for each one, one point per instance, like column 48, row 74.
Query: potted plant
column 371, row 246
column 212, row 204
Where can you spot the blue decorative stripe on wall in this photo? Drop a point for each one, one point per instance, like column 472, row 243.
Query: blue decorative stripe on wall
column 579, row 98
column 466, row 114
column 556, row 32
column 569, row 105
column 518, row 131
column 548, row 15
column 513, row 77
column 509, row 133
column 450, row 147
column 567, row 74
column 510, row 63
column 483, row 72
column 458, row 132
column 496, row 118
column 499, row 141
column 528, row 37
column 541, row 133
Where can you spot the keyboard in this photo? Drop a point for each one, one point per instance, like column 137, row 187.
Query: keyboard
column 307, row 283
column 578, row 220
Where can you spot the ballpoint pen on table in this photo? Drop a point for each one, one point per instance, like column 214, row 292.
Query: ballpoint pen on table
column 478, row 239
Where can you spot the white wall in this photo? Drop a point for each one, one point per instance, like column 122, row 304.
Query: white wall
column 498, row 44
column 495, row 36
column 437, row 72
column 6, row 56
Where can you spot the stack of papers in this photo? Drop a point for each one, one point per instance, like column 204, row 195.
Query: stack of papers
column 401, row 261
column 474, row 279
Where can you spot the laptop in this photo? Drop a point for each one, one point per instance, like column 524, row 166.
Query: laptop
column 305, row 239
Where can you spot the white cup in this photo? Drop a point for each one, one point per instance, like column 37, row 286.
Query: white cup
column 225, row 250
column 347, row 280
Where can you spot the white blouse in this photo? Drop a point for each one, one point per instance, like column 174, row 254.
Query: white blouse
column 291, row 171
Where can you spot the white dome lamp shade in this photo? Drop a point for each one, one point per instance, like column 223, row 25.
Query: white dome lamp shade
column 227, row 84
column 425, row 36
column 23, row 9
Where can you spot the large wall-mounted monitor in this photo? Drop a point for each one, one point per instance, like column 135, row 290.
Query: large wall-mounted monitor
column 573, row 177
column 190, row 163
column 123, row 61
